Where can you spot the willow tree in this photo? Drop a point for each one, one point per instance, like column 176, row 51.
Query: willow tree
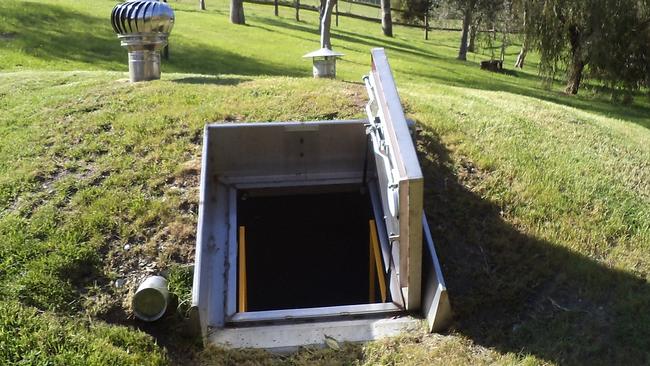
column 523, row 52
column 620, row 58
column 602, row 38
column 473, row 32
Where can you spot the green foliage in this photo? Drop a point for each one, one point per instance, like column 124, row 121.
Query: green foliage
column 180, row 283
column 621, row 57
column 418, row 9
column 610, row 36
column 29, row 337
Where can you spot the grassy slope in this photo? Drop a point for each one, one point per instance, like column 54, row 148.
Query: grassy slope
column 539, row 203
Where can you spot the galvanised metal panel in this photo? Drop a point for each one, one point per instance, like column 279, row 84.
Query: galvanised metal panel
column 262, row 154
column 287, row 150
column 435, row 301
column 399, row 174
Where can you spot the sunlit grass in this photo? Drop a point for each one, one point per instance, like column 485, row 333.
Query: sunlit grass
column 539, row 202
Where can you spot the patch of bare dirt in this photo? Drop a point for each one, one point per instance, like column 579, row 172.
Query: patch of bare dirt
column 162, row 244
column 358, row 98
column 152, row 252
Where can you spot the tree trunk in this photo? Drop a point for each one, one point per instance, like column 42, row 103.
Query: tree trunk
column 504, row 41
column 321, row 12
column 426, row 25
column 472, row 36
column 202, row 4
column 578, row 62
column 473, row 30
column 337, row 13
column 575, row 76
column 386, row 19
column 297, row 10
column 325, row 39
column 276, row 10
column 521, row 57
column 237, row 12
column 467, row 20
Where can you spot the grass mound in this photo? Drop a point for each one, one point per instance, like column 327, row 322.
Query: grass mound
column 30, row 337
column 539, row 203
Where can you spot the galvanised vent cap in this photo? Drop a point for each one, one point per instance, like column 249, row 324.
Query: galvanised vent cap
column 324, row 61
column 143, row 26
column 142, row 16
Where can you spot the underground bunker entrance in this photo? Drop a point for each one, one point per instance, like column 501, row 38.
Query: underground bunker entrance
column 305, row 248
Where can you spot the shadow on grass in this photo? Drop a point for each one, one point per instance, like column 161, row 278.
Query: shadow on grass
column 512, row 81
column 208, row 59
column 209, row 80
column 50, row 32
column 170, row 331
column 339, row 34
column 516, row 293
column 56, row 33
column 638, row 113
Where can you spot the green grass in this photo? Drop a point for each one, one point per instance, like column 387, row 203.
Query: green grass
column 539, row 203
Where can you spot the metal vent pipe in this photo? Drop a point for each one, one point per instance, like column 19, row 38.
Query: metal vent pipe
column 143, row 27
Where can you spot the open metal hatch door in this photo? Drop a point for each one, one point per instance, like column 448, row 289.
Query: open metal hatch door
column 293, row 219
column 414, row 267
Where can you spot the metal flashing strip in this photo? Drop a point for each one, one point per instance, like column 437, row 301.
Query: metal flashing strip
column 289, row 125
column 436, row 306
column 292, row 180
column 289, row 337
column 321, row 313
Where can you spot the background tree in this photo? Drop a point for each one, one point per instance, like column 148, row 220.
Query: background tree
column 522, row 7
column 503, row 20
column 326, row 24
column 620, row 57
column 321, row 12
column 473, row 32
column 468, row 9
column 386, row 19
column 563, row 31
column 202, row 4
column 414, row 11
column 606, row 35
column 237, row 12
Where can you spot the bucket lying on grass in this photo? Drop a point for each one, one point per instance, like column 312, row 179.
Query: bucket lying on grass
column 150, row 300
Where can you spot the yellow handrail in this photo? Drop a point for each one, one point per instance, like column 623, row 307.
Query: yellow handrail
column 243, row 294
column 377, row 269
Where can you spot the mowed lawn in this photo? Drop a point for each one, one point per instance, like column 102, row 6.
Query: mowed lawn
column 539, row 203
